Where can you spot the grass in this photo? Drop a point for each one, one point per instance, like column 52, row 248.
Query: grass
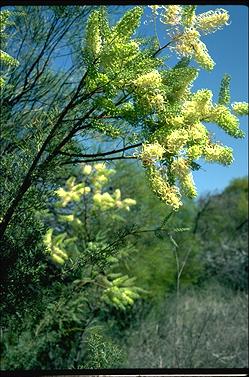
column 210, row 331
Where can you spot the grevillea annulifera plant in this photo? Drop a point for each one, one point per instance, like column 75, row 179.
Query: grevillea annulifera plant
column 172, row 116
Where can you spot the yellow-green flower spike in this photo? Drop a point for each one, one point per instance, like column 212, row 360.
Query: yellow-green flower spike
column 240, row 108
column 172, row 15
column 167, row 193
column 211, row 21
column 151, row 152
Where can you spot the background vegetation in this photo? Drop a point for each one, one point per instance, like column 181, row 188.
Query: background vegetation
column 55, row 320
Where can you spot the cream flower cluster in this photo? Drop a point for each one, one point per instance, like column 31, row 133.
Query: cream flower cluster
column 202, row 56
column 73, row 192
column 186, row 27
column 221, row 115
column 175, row 121
column 99, row 175
column 180, row 136
column 189, row 44
column 240, row 108
column 180, row 167
column 194, row 152
column 87, row 169
column 151, row 152
column 188, row 141
column 105, row 201
column 157, row 101
column 166, row 192
column 172, row 15
column 198, row 133
column 176, row 140
column 150, row 99
column 181, row 170
column 186, row 42
column 198, row 107
column 155, row 8
column 152, row 80
column 212, row 20
column 218, row 153
column 119, row 292
column 60, row 246
column 53, row 244
column 188, row 186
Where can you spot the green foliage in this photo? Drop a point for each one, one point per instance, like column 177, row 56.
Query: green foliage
column 128, row 24
column 50, row 344
column 224, row 95
column 223, row 230
column 85, row 260
column 101, row 352
column 5, row 59
column 81, row 241
column 23, row 271
column 188, row 13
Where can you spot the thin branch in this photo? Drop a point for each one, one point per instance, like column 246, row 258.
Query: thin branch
column 15, row 99
column 99, row 159
column 161, row 48
column 75, row 128
column 114, row 151
column 28, row 179
column 200, row 213
column 184, row 262
column 167, row 45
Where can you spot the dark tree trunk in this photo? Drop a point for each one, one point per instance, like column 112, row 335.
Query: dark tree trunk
column 12, row 208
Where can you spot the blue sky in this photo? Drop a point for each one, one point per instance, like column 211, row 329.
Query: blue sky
column 229, row 49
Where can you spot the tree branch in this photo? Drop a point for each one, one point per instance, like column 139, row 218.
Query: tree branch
column 167, row 45
column 99, row 159
column 27, row 181
column 114, row 151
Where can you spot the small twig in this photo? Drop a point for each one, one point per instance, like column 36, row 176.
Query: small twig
column 166, row 45
column 99, row 159
column 114, row 151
